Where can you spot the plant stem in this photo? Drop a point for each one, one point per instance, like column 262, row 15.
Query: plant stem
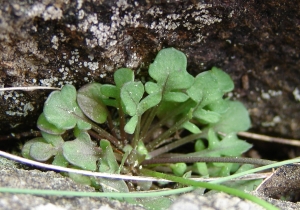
column 136, row 137
column 110, row 124
column 168, row 116
column 173, row 145
column 104, row 134
column 122, row 122
column 167, row 133
column 148, row 122
column 211, row 186
column 242, row 160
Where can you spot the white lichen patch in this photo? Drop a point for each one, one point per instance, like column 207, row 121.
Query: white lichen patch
column 46, row 12
column 109, row 33
column 296, row 94
column 54, row 41
column 17, row 105
column 52, row 13
column 91, row 65
column 193, row 17
column 270, row 93
column 275, row 121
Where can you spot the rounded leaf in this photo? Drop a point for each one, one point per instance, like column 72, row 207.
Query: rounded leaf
column 131, row 94
column 169, row 70
column 81, row 152
column 61, row 109
column 41, row 151
column 47, row 127
column 179, row 168
column 206, row 116
column 89, row 99
column 54, row 140
column 234, row 120
column 224, row 81
column 122, row 76
column 28, row 144
column 131, row 125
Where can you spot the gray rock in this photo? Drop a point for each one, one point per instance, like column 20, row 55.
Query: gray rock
column 219, row 201
column 52, row 43
column 14, row 177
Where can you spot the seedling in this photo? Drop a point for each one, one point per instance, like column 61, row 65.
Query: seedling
column 122, row 127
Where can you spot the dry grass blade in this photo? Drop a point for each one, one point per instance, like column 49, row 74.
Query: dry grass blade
column 260, row 137
column 114, row 176
column 29, row 88
column 77, row 171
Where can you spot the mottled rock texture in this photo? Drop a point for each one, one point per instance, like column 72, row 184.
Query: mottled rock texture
column 55, row 42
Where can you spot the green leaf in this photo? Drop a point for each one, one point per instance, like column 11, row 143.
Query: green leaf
column 28, row 144
column 213, row 140
column 223, row 169
column 43, row 148
column 148, row 102
column 46, row 126
column 55, row 140
column 81, row 179
column 201, row 169
column 206, row 116
column 210, row 86
column 122, row 76
column 131, row 94
column 110, row 185
column 246, row 186
column 60, row 160
column 199, row 145
column 224, row 81
column 152, row 87
column 82, row 152
column 234, row 146
column 131, row 124
column 230, row 145
column 169, row 70
column 234, row 120
column 61, row 109
column 176, row 97
column 41, row 151
column 205, row 89
column 113, row 185
column 191, row 127
column 178, row 168
column 109, row 91
column 107, row 162
column 89, row 99
column 220, row 106
column 155, row 203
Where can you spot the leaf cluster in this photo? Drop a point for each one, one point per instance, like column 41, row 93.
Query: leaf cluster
column 115, row 127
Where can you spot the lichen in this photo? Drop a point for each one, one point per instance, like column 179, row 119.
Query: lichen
column 296, row 94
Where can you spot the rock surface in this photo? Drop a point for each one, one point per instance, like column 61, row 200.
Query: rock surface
column 55, row 42
column 14, row 177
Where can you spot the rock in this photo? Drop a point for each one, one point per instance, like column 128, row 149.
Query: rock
column 219, row 201
column 14, row 177
column 56, row 42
